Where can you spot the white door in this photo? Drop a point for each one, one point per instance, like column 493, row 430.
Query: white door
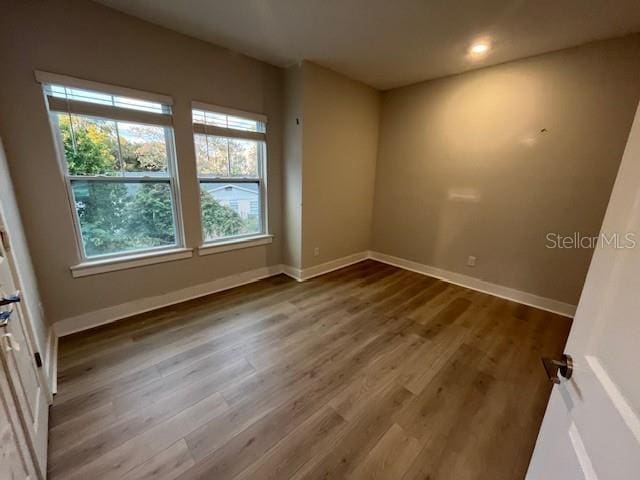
column 591, row 429
column 17, row 352
column 15, row 458
column 17, row 358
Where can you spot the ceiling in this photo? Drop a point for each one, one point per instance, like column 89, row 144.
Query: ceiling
column 389, row 43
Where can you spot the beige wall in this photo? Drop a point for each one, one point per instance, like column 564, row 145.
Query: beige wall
column 86, row 40
column 464, row 169
column 340, row 144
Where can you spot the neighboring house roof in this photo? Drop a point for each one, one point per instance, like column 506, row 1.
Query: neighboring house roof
column 225, row 187
column 232, row 192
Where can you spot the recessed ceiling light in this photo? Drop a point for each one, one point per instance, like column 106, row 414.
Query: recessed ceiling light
column 479, row 48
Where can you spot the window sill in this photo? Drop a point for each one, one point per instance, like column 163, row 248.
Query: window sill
column 95, row 267
column 227, row 246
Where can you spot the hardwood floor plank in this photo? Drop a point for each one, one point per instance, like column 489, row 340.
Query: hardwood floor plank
column 124, row 457
column 366, row 372
column 297, row 448
column 70, row 401
column 129, row 426
column 211, row 372
column 362, row 434
column 390, row 458
column 443, row 319
column 100, row 339
column 386, row 368
column 244, row 447
column 440, row 403
column 80, row 427
column 166, row 465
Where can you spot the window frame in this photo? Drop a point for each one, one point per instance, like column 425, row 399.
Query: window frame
column 262, row 147
column 90, row 110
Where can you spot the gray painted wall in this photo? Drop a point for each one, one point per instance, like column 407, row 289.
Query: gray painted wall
column 340, row 144
column 464, row 169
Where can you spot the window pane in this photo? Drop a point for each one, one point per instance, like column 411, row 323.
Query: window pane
column 118, row 217
column 227, row 157
column 212, row 155
column 95, row 146
column 143, row 147
column 243, row 158
column 90, row 145
column 230, row 209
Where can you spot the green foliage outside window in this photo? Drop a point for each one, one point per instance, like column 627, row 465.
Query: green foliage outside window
column 118, row 216
column 218, row 220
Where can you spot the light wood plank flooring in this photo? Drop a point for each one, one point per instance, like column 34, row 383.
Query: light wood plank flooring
column 367, row 372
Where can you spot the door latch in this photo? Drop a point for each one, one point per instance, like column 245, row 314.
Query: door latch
column 553, row 366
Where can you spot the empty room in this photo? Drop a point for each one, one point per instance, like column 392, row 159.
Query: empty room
column 304, row 239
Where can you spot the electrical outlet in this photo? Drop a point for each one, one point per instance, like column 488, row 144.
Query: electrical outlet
column 471, row 261
column 316, row 251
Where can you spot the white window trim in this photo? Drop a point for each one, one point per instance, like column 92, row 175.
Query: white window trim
column 171, row 178
column 230, row 244
column 95, row 267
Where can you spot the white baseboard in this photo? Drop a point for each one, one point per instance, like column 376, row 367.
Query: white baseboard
column 49, row 370
column 306, row 273
column 332, row 265
column 292, row 272
column 51, row 361
column 117, row 312
column 543, row 303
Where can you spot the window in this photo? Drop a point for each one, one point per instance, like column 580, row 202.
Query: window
column 119, row 164
column 231, row 161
